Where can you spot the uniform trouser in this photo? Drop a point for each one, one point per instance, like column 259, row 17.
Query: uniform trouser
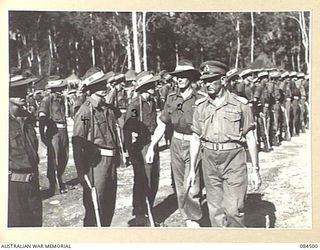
column 302, row 115
column 58, row 155
column 225, row 178
column 296, row 111
column 276, row 123
column 180, row 162
column 146, row 179
column 24, row 204
column 105, row 180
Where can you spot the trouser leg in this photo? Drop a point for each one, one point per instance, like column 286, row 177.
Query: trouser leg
column 188, row 203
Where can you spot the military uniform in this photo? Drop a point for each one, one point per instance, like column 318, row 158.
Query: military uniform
column 222, row 131
column 96, row 123
column 52, row 111
column 146, row 176
column 24, row 198
column 179, row 113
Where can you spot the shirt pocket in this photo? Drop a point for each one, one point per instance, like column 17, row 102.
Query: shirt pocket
column 16, row 144
column 205, row 123
column 231, row 123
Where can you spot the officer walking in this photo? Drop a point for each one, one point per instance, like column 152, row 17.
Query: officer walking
column 95, row 149
column 24, row 198
column 222, row 123
column 140, row 124
column 178, row 110
column 54, row 134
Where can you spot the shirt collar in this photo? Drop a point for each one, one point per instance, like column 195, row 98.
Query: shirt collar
column 93, row 102
column 227, row 99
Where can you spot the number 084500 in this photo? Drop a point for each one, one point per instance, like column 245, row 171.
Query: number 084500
column 308, row 245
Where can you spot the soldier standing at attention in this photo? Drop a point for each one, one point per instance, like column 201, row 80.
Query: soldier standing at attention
column 54, row 134
column 140, row 123
column 178, row 110
column 24, row 198
column 222, row 124
column 95, row 148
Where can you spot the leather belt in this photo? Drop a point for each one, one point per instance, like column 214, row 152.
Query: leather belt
column 61, row 125
column 107, row 152
column 181, row 136
column 21, row 177
column 221, row 146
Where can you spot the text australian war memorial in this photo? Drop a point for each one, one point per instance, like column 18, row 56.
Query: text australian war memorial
column 176, row 111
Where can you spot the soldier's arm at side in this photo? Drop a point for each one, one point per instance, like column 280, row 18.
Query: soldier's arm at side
column 253, row 151
column 194, row 153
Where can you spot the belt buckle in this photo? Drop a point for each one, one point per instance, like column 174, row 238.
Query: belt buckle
column 216, row 146
column 29, row 177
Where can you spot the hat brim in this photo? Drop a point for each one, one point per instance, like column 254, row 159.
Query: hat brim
column 24, row 81
column 149, row 82
column 209, row 76
column 190, row 72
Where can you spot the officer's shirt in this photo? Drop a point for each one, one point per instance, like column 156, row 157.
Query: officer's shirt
column 103, row 117
column 147, row 109
column 179, row 112
column 23, row 144
column 53, row 107
column 229, row 122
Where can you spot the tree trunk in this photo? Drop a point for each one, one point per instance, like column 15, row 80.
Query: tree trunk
column 292, row 61
column 252, row 37
column 50, row 43
column 298, row 61
column 39, row 63
column 177, row 54
column 76, row 45
column 92, row 47
column 128, row 47
column 238, row 43
column 103, row 62
column 274, row 58
column 145, row 63
column 19, row 58
column 137, row 63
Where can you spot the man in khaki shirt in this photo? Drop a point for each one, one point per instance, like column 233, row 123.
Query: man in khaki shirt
column 222, row 124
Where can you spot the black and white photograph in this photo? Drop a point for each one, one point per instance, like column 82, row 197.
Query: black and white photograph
column 159, row 119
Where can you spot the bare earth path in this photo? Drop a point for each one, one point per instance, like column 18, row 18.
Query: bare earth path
column 285, row 201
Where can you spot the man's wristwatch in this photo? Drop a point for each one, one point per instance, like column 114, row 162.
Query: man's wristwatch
column 257, row 168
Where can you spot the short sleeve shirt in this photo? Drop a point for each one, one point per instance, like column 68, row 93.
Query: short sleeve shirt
column 53, row 106
column 229, row 122
column 104, row 119
column 133, row 116
column 179, row 112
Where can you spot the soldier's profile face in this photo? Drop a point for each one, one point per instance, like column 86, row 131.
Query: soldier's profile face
column 182, row 82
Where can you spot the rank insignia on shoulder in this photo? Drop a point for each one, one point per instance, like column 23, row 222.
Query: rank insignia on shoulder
column 201, row 100
column 241, row 99
column 172, row 94
column 202, row 93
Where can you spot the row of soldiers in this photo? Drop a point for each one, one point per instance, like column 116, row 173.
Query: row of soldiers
column 267, row 106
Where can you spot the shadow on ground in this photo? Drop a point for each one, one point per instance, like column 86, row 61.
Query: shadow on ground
column 259, row 213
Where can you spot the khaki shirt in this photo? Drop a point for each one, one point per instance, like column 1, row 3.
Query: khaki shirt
column 179, row 112
column 104, row 118
column 23, row 144
column 53, row 106
column 229, row 122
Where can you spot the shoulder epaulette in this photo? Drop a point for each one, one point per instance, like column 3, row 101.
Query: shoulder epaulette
column 172, row 94
column 201, row 100
column 241, row 99
column 202, row 93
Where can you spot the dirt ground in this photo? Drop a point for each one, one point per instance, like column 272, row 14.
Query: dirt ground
column 283, row 201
